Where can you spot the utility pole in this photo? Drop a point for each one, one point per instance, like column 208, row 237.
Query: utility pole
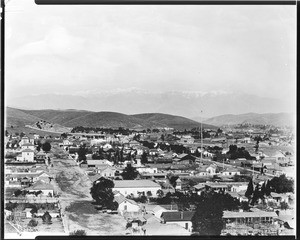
column 201, row 135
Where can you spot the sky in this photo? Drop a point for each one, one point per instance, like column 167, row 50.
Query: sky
column 75, row 49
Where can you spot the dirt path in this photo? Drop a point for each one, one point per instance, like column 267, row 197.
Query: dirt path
column 78, row 212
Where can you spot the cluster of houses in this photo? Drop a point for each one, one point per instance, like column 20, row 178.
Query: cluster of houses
column 28, row 171
column 125, row 190
column 27, row 182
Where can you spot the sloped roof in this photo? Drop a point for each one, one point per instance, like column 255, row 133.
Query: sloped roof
column 199, row 186
column 216, row 184
column 40, row 185
column 119, row 198
column 25, row 174
column 135, row 183
column 27, row 150
column 231, row 214
column 178, row 216
column 28, row 144
column 182, row 155
column 95, row 177
column 170, row 206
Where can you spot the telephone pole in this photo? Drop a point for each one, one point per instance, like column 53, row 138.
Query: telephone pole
column 201, row 136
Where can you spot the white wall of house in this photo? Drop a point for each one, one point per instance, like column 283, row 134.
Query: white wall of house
column 126, row 206
column 185, row 224
column 203, row 174
column 239, row 188
column 211, row 170
column 146, row 170
column 27, row 147
column 26, row 157
column 134, row 190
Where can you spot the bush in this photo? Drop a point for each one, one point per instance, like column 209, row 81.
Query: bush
column 78, row 233
column 32, row 223
column 47, row 218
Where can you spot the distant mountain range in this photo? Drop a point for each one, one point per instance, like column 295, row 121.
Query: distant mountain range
column 275, row 119
column 73, row 118
column 135, row 101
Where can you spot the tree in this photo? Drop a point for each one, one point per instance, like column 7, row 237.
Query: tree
column 249, row 190
column 39, row 145
column 284, row 206
column 263, row 189
column 64, row 135
column 46, row 147
column 101, row 192
column 172, row 179
column 47, row 218
column 32, row 223
column 256, row 195
column 160, row 193
column 268, row 188
column 245, row 205
column 129, row 173
column 149, row 194
column 144, row 158
column 82, row 151
column 207, row 219
column 78, row 233
column 34, row 209
column 18, row 192
column 282, row 184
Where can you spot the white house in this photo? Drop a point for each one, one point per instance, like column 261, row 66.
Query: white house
column 187, row 139
column 230, row 172
column 211, row 169
column 178, row 184
column 46, row 188
column 95, row 163
column 27, row 146
column 145, row 169
column 26, row 140
column 238, row 186
column 27, row 155
column 134, row 187
column 126, row 205
column 107, row 171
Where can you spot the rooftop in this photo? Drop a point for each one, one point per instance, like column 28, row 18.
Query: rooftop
column 178, row 216
column 40, row 185
column 135, row 183
column 27, row 150
column 230, row 214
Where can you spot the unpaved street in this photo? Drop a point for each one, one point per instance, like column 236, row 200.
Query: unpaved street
column 78, row 212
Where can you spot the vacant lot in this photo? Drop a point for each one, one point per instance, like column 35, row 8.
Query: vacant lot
column 83, row 215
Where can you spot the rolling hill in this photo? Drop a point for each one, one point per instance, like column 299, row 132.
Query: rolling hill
column 172, row 121
column 16, row 117
column 275, row 119
column 73, row 118
column 135, row 101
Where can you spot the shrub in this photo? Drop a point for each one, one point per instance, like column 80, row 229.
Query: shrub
column 33, row 223
column 78, row 233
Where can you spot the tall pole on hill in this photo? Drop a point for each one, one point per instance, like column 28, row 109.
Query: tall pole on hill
column 201, row 136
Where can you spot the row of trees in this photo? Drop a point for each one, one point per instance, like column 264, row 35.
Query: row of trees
column 279, row 184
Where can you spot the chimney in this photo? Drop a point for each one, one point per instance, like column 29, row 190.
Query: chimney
column 181, row 215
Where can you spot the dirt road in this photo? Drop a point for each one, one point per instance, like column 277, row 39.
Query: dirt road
column 78, row 212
